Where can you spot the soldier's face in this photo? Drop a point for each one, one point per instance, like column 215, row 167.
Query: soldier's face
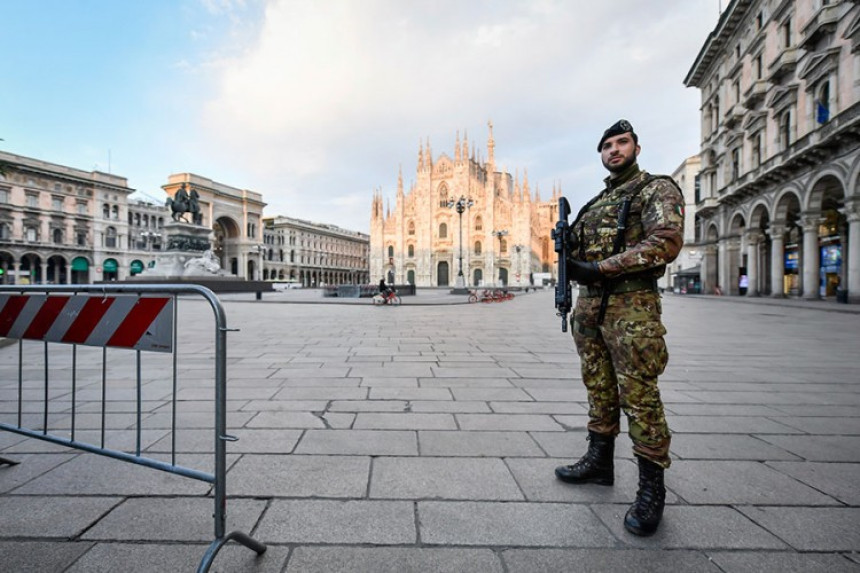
column 619, row 152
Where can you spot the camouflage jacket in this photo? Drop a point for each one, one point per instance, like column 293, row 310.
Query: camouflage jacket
column 655, row 226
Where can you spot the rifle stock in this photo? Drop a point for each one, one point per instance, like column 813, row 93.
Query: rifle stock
column 561, row 236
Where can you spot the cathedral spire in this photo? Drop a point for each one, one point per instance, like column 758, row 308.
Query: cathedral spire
column 491, row 146
column 457, row 148
column 429, row 163
column 400, row 181
column 420, row 156
column 465, row 145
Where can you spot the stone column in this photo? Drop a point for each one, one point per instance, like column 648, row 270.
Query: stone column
column 777, row 260
column 44, row 266
column 729, row 284
column 851, row 258
column 753, row 241
column 811, row 257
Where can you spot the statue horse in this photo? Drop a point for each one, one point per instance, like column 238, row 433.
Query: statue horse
column 184, row 203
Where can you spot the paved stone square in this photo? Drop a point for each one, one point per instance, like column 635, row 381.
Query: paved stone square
column 424, row 437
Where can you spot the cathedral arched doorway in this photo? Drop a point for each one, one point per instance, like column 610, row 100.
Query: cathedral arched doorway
column 503, row 277
column 477, row 277
column 410, row 277
column 442, row 274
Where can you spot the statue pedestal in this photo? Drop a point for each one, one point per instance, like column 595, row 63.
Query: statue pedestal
column 187, row 255
column 460, row 285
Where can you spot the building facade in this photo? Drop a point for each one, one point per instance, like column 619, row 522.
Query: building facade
column 60, row 225
column 682, row 274
column 778, row 208
column 313, row 254
column 499, row 236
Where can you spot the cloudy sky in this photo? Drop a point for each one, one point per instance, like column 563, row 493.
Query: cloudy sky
column 317, row 104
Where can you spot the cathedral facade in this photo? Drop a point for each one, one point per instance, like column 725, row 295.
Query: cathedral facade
column 462, row 216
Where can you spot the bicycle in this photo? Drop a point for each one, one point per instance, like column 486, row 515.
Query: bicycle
column 389, row 298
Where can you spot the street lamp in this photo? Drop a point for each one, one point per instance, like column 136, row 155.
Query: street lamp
column 460, row 205
column 500, row 233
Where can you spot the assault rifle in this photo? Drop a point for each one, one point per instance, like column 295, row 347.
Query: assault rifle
column 564, row 245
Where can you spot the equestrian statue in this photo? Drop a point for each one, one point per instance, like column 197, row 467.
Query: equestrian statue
column 183, row 203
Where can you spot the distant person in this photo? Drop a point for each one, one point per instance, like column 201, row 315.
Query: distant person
column 626, row 236
column 383, row 288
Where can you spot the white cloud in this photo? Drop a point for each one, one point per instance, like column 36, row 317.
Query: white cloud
column 331, row 97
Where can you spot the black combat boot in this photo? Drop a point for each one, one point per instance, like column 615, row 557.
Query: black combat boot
column 644, row 515
column 596, row 466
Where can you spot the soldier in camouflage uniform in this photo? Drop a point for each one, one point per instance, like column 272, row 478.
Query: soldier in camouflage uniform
column 621, row 347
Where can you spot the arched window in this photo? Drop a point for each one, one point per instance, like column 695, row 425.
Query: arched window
column 503, row 246
column 443, row 195
column 4, row 231
column 411, row 228
column 32, row 234
column 410, row 251
column 115, row 211
column 390, row 251
column 106, row 211
column 443, row 231
column 479, row 223
column 477, row 247
column 57, row 236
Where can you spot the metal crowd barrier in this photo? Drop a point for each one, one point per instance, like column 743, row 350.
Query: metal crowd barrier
column 139, row 318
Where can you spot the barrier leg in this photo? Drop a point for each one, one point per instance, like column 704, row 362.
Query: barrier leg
column 8, row 462
column 216, row 546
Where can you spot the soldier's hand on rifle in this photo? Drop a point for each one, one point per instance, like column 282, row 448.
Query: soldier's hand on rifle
column 584, row 273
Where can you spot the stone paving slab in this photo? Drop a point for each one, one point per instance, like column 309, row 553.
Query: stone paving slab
column 300, row 476
column 726, row 447
column 443, row 478
column 811, row 528
column 251, row 441
column 740, row 482
column 40, row 556
column 90, row 474
column 151, row 558
column 839, row 480
column 170, row 519
column 477, row 443
column 603, row 560
column 25, row 517
column 359, row 442
column 29, row 467
column 782, row 562
column 342, row 559
column 334, row 522
column 517, row 524
column 819, row 448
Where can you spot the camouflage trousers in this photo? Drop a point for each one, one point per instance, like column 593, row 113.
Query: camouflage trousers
column 621, row 360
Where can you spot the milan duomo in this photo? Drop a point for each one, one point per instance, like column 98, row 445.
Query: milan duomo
column 505, row 230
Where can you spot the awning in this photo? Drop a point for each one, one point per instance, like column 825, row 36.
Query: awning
column 80, row 264
column 136, row 266
column 110, row 265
